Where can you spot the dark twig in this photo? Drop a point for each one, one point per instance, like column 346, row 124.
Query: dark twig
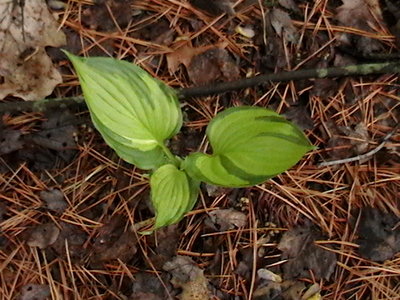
column 363, row 69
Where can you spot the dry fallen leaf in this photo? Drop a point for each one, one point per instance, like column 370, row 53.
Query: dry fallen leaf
column 303, row 254
column 70, row 242
column 205, row 64
column 211, row 66
column 57, row 133
column 286, row 290
column 166, row 241
column 360, row 14
column 35, row 292
column 108, row 15
column 115, row 241
column 189, row 277
column 289, row 4
column 347, row 141
column 227, row 219
column 26, row 71
column 379, row 234
column 184, row 55
column 54, row 199
column 148, row 286
column 10, row 140
column 43, row 235
column 283, row 25
column 214, row 8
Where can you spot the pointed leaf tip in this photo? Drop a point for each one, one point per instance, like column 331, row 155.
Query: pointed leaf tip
column 134, row 112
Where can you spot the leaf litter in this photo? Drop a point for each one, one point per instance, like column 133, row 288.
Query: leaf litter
column 54, row 199
column 189, row 277
column 378, row 234
column 206, row 64
column 26, row 71
column 95, row 193
column 364, row 15
column 226, row 219
column 41, row 148
column 114, row 242
column 35, row 292
column 43, row 235
column 303, row 255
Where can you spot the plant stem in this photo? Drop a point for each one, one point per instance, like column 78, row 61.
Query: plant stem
column 174, row 160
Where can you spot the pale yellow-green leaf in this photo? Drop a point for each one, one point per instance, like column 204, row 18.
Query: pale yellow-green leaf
column 250, row 145
column 131, row 109
column 173, row 194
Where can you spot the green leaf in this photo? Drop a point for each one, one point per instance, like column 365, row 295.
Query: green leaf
column 145, row 160
column 173, row 194
column 250, row 145
column 134, row 112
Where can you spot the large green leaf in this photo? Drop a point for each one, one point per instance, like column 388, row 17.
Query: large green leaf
column 145, row 160
column 134, row 112
column 250, row 145
column 173, row 194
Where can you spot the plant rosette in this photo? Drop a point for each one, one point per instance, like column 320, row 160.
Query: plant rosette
column 137, row 114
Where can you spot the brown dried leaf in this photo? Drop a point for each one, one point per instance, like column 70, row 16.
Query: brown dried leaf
column 148, row 286
column 35, row 292
column 214, row 8
column 211, row 66
column 227, row 219
column 287, row 290
column 289, row 4
column 43, row 235
column 115, row 241
column 10, row 140
column 72, row 236
column 379, row 234
column 54, row 199
column 189, row 277
column 107, row 15
column 346, row 141
column 303, row 254
column 25, row 68
column 57, row 133
column 204, row 64
column 360, row 14
column 283, row 25
column 166, row 242
column 184, row 55
column 300, row 115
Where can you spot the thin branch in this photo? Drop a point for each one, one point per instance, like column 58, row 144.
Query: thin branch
column 354, row 70
column 367, row 155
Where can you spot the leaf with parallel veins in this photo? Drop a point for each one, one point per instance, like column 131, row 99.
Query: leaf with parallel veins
column 134, row 112
column 250, row 145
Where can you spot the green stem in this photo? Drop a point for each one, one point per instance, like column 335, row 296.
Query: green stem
column 173, row 159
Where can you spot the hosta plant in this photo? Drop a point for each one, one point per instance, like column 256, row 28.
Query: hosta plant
column 136, row 114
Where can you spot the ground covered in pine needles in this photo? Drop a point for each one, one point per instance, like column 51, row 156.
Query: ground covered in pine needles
column 69, row 207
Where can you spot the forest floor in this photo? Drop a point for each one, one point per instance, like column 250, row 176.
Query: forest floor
column 69, row 205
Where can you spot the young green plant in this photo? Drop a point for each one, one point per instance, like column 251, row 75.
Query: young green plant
column 136, row 114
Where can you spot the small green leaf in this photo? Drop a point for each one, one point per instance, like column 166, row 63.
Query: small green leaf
column 250, row 145
column 173, row 194
column 134, row 112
